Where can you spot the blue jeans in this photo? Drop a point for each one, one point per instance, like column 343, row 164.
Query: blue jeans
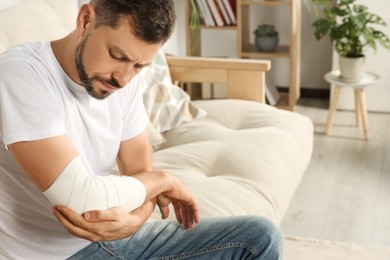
column 244, row 237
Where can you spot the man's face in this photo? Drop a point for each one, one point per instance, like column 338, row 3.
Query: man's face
column 107, row 59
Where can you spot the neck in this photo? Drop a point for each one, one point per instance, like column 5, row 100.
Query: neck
column 64, row 50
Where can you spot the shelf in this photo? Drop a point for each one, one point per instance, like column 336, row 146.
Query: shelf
column 265, row 3
column 283, row 102
column 234, row 28
column 283, row 51
column 291, row 50
column 246, row 49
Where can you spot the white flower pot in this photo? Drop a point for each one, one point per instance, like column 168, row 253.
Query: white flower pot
column 351, row 69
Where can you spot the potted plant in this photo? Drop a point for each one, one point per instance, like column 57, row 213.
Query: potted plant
column 266, row 38
column 195, row 17
column 349, row 26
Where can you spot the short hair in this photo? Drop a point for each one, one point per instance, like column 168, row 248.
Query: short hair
column 152, row 20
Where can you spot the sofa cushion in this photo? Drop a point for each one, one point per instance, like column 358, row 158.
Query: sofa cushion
column 16, row 27
column 167, row 105
column 242, row 158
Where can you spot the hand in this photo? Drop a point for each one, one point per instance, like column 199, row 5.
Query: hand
column 104, row 225
column 184, row 204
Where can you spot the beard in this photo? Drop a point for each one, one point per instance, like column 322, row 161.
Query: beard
column 86, row 81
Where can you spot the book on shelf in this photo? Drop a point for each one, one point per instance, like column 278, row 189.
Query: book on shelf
column 201, row 12
column 230, row 6
column 224, row 12
column 209, row 21
column 216, row 15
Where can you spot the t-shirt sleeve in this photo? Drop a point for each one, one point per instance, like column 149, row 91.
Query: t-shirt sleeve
column 135, row 116
column 28, row 110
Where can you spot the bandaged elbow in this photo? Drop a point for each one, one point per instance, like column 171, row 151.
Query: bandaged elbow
column 81, row 191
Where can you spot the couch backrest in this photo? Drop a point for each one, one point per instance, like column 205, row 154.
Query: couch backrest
column 29, row 20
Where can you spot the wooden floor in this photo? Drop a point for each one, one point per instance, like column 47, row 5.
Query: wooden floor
column 345, row 192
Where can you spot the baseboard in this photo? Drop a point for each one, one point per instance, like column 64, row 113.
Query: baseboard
column 310, row 92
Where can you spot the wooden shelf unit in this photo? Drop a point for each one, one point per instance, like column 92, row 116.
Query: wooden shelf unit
column 247, row 50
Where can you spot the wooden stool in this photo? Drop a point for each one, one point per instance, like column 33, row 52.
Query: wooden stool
column 334, row 79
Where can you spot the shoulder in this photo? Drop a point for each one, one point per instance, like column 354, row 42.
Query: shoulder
column 21, row 59
column 22, row 52
column 25, row 62
column 25, row 71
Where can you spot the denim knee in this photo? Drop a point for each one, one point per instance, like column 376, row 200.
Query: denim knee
column 269, row 239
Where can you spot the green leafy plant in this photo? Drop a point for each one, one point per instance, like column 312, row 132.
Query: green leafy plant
column 265, row 30
column 195, row 18
column 349, row 26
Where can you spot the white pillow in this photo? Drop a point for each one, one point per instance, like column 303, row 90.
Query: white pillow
column 166, row 104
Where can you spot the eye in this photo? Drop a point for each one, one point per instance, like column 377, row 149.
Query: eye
column 116, row 56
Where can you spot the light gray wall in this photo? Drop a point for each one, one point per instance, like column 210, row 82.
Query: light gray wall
column 177, row 43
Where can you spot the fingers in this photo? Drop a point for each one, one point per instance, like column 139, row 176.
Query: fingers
column 190, row 213
column 184, row 204
column 187, row 221
column 187, row 215
column 179, row 217
column 195, row 210
column 163, row 204
column 72, row 222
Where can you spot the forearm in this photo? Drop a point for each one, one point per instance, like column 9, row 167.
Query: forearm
column 147, row 210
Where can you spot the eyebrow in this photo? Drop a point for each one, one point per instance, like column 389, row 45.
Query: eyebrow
column 125, row 57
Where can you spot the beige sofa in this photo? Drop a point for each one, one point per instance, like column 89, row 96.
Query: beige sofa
column 243, row 157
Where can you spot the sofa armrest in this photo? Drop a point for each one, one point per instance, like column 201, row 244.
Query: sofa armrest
column 245, row 79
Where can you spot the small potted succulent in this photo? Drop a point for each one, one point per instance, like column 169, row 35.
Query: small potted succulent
column 266, row 38
column 352, row 29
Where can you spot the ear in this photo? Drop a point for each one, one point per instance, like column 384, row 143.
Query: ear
column 85, row 19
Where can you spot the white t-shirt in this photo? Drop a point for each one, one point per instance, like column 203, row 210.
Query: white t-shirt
column 38, row 100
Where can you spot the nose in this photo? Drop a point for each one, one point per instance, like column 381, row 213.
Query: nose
column 124, row 74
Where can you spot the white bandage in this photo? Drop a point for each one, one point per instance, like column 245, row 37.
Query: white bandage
column 81, row 191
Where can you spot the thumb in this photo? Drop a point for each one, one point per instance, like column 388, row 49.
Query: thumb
column 164, row 210
column 95, row 215
column 100, row 215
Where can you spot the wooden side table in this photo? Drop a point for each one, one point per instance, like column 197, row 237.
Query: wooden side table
column 333, row 77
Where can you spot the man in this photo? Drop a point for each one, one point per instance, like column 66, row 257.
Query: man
column 70, row 109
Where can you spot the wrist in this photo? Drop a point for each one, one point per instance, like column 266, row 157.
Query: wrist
column 166, row 183
column 148, row 209
column 155, row 183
